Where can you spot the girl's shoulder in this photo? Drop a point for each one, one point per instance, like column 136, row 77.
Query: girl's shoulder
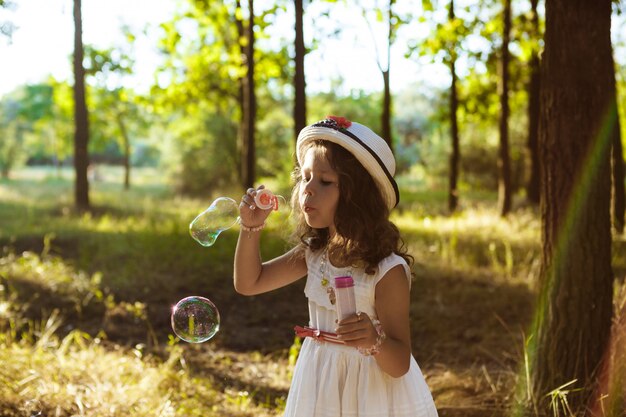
column 312, row 256
column 391, row 261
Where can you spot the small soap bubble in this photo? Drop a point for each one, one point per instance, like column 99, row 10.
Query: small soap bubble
column 222, row 214
column 195, row 319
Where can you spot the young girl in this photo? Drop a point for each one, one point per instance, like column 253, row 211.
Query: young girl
column 360, row 366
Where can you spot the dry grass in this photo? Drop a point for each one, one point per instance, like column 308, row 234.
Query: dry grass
column 84, row 312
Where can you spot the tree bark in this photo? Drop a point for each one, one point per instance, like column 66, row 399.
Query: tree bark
column 453, row 193
column 576, row 280
column 504, row 162
column 249, row 106
column 81, row 132
column 241, row 82
column 534, row 86
column 386, row 114
column 299, row 110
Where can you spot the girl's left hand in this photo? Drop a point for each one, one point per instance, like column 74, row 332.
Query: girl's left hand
column 357, row 331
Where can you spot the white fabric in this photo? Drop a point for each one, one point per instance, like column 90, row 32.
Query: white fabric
column 331, row 380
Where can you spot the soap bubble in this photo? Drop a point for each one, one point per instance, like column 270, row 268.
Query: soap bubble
column 222, row 214
column 195, row 319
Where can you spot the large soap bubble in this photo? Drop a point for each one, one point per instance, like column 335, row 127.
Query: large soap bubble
column 195, row 319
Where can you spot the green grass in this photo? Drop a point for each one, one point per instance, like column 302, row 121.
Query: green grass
column 85, row 302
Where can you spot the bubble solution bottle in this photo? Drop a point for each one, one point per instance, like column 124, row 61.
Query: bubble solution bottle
column 344, row 292
column 223, row 214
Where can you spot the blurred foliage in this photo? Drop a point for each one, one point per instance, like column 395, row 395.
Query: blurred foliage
column 188, row 124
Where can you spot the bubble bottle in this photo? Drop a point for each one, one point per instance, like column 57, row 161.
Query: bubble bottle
column 223, row 214
column 344, row 292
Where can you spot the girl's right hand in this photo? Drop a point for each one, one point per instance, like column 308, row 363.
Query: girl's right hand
column 249, row 214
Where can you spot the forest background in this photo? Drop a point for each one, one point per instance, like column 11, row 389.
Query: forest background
column 95, row 245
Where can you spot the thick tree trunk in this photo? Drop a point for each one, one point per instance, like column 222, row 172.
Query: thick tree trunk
column 299, row 110
column 81, row 133
column 534, row 86
column 576, row 281
column 504, row 161
column 453, row 193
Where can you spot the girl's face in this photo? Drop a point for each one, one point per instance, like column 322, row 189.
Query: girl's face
column 319, row 190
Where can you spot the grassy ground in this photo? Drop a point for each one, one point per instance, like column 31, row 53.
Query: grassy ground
column 85, row 303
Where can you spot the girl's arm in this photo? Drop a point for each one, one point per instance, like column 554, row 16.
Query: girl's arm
column 392, row 306
column 251, row 275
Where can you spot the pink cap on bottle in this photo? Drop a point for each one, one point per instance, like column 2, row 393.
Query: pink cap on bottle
column 266, row 200
column 344, row 282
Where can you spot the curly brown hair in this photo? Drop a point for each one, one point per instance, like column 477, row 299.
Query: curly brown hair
column 365, row 235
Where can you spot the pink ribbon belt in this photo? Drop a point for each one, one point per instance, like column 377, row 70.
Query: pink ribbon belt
column 318, row 335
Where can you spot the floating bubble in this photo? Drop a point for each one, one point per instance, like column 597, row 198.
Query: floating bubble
column 195, row 319
column 222, row 214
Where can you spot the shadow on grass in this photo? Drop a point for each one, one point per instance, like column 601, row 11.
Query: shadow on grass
column 465, row 318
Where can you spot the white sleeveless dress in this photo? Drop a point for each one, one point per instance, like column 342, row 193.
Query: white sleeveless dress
column 332, row 380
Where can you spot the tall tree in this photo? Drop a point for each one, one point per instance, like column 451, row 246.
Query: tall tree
column 118, row 110
column 241, row 93
column 249, row 101
column 445, row 44
column 386, row 72
column 455, row 154
column 81, row 134
column 576, row 281
column 534, row 86
column 299, row 108
column 504, row 160
column 393, row 22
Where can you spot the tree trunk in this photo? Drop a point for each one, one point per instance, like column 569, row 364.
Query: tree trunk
column 126, row 146
column 81, row 133
column 453, row 193
column 249, row 101
column 532, row 188
column 241, row 81
column 576, row 281
column 299, row 110
column 617, row 163
column 386, row 114
column 504, row 161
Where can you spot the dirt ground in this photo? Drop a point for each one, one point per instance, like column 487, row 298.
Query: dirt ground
column 467, row 335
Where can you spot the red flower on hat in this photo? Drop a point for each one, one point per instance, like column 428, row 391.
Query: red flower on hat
column 342, row 122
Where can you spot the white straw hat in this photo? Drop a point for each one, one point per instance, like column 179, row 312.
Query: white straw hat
column 369, row 148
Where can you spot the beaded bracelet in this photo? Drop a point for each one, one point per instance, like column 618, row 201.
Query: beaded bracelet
column 251, row 229
column 380, row 338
